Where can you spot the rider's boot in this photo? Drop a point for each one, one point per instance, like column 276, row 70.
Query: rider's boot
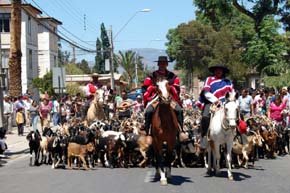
column 204, row 128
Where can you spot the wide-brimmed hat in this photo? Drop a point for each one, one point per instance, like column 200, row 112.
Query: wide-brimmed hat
column 221, row 66
column 95, row 75
column 162, row 59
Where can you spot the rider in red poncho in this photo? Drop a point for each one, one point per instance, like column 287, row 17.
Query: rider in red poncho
column 149, row 90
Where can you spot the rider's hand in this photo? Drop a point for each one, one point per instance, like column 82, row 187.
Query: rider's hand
column 151, row 89
column 218, row 103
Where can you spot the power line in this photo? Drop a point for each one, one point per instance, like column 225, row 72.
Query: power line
column 68, row 11
column 60, row 37
column 61, row 26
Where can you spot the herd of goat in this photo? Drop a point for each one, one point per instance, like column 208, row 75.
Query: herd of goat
column 118, row 143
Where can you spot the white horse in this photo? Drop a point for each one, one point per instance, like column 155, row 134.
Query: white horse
column 96, row 110
column 222, row 130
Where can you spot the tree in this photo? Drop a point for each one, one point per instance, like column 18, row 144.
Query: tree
column 74, row 88
column 196, row 46
column 266, row 51
column 84, row 66
column 261, row 9
column 127, row 60
column 99, row 57
column 220, row 13
column 105, row 46
column 216, row 13
column 15, row 88
column 44, row 84
column 72, row 69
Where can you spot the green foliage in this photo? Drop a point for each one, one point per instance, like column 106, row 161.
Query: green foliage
column 277, row 81
column 265, row 51
column 127, row 60
column 72, row 69
column 195, row 46
column 213, row 12
column 105, row 44
column 103, row 47
column 84, row 66
column 99, row 62
column 44, row 84
column 73, row 89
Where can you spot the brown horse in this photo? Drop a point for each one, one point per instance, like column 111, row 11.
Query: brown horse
column 96, row 110
column 164, row 132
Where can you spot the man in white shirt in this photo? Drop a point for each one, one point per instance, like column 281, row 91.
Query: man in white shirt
column 245, row 102
column 7, row 112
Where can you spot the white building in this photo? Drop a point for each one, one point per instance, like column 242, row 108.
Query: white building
column 47, row 44
column 38, row 45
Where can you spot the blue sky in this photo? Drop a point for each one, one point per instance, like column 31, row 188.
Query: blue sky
column 144, row 30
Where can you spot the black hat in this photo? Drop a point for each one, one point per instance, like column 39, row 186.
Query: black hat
column 223, row 67
column 162, row 59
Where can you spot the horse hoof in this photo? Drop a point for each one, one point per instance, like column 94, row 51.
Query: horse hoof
column 231, row 178
column 163, row 182
column 209, row 172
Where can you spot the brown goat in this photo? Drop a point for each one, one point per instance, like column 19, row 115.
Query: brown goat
column 246, row 149
column 80, row 151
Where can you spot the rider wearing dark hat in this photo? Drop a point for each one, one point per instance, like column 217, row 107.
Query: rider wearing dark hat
column 214, row 91
column 149, row 90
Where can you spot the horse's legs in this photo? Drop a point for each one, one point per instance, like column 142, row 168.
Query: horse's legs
column 207, row 162
column 216, row 158
column 229, row 160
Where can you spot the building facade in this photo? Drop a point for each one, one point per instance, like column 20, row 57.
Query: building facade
column 38, row 44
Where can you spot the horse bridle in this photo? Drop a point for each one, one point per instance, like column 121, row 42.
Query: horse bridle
column 226, row 120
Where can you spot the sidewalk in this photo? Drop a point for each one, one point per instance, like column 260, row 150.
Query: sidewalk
column 16, row 144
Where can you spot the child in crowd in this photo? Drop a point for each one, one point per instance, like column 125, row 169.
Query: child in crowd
column 20, row 121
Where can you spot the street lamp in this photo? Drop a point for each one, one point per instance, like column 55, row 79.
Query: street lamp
column 112, row 38
column 121, row 29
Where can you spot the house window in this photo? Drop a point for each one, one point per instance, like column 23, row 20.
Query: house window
column 30, row 59
column 54, row 61
column 5, row 58
column 5, row 22
column 29, row 26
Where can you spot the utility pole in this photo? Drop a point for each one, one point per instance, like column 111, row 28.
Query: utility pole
column 1, row 88
column 112, row 59
column 136, row 70
column 15, row 86
column 74, row 54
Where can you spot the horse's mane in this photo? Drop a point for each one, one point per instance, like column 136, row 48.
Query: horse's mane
column 167, row 116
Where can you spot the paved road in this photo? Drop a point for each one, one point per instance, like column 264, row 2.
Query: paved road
column 268, row 176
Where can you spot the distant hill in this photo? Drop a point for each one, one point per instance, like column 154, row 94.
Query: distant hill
column 150, row 55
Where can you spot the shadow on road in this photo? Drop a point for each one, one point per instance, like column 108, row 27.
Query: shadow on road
column 237, row 175
column 178, row 180
column 175, row 180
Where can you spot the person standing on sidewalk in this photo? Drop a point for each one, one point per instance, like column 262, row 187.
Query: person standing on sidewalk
column 20, row 121
column 34, row 115
column 7, row 112
column 44, row 111
column 55, row 111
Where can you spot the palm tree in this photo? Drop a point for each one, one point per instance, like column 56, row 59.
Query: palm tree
column 15, row 88
column 127, row 60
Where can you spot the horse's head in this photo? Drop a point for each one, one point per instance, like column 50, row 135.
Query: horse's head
column 99, row 96
column 231, row 110
column 163, row 90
